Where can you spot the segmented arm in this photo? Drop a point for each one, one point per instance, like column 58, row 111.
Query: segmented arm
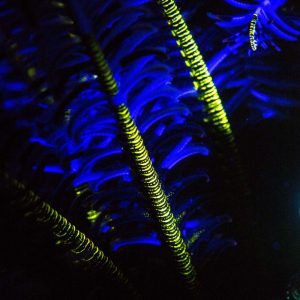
column 160, row 208
column 67, row 234
column 252, row 29
column 198, row 70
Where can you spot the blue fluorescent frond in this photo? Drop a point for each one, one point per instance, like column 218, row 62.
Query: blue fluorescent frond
column 137, row 241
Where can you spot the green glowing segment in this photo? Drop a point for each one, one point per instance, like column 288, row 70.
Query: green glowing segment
column 180, row 217
column 92, row 215
column 31, row 72
column 194, row 238
column 80, row 190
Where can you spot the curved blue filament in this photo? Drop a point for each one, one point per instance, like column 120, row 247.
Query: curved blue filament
column 216, row 60
column 101, row 177
column 235, row 21
column 203, row 223
column 136, row 68
column 130, row 44
column 118, row 28
column 90, row 164
column 162, row 93
column 136, row 241
column 40, row 141
column 272, row 82
column 281, row 33
column 282, row 24
column 241, row 5
column 183, row 151
column 163, row 114
column 54, row 169
column 282, row 101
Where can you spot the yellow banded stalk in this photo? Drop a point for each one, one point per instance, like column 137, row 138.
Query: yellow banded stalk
column 83, row 249
column 102, row 69
column 216, row 116
column 202, row 80
column 252, row 29
column 160, row 208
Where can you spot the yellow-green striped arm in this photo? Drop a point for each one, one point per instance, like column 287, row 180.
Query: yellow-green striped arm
column 102, row 69
column 198, row 70
column 84, row 250
column 160, row 208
